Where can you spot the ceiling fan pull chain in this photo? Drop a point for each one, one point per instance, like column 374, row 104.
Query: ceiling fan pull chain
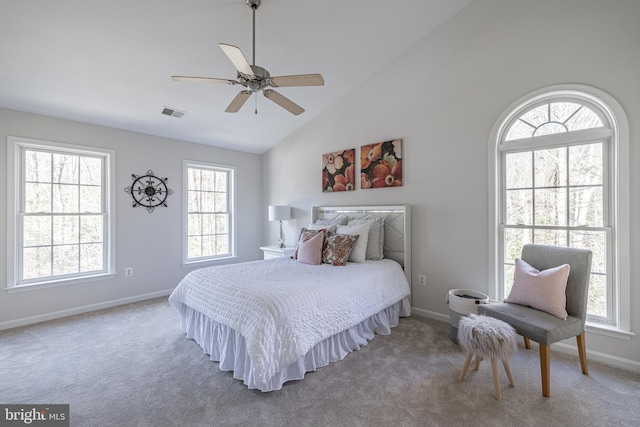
column 256, row 104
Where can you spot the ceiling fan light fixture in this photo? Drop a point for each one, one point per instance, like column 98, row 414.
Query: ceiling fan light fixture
column 256, row 78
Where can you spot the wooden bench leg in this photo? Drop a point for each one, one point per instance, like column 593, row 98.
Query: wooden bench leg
column 582, row 351
column 496, row 378
column 527, row 343
column 467, row 361
column 545, row 369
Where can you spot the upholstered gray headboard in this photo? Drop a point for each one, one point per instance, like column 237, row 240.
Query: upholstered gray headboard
column 397, row 228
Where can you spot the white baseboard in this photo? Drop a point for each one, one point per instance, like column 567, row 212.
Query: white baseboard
column 79, row 310
column 604, row 358
column 430, row 314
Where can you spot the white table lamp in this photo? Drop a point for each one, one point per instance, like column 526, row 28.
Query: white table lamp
column 280, row 213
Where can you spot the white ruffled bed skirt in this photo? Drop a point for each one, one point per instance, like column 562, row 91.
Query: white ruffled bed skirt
column 227, row 347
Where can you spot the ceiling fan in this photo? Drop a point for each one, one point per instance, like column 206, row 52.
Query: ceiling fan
column 255, row 78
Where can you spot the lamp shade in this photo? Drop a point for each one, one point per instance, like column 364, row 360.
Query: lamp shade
column 279, row 213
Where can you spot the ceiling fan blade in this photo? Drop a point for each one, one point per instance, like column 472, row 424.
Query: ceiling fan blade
column 284, row 102
column 238, row 59
column 203, row 79
column 297, row 80
column 238, row 101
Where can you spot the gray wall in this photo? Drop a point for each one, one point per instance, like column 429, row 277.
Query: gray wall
column 442, row 96
column 151, row 243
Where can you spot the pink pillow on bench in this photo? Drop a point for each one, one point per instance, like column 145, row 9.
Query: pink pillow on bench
column 542, row 290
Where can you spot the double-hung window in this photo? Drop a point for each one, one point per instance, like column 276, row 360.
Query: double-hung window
column 560, row 179
column 209, row 219
column 60, row 221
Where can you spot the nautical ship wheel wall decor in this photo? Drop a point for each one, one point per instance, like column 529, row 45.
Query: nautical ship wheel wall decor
column 149, row 191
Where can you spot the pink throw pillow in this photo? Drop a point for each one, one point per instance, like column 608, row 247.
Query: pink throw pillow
column 310, row 250
column 304, row 235
column 542, row 290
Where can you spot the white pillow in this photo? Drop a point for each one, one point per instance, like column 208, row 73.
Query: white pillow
column 338, row 220
column 328, row 228
column 375, row 244
column 359, row 251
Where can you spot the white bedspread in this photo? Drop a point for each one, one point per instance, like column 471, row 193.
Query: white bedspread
column 283, row 308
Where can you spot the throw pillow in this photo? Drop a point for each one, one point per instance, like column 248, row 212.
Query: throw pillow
column 310, row 249
column 341, row 219
column 305, row 233
column 542, row 290
column 337, row 248
column 359, row 251
column 326, row 228
column 375, row 242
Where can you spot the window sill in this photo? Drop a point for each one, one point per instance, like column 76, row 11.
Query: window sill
column 610, row 331
column 57, row 283
column 214, row 261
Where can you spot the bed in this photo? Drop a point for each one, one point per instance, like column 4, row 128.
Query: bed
column 271, row 321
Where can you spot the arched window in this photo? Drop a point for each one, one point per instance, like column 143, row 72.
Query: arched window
column 559, row 179
column 554, row 117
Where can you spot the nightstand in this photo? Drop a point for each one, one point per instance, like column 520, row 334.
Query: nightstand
column 276, row 252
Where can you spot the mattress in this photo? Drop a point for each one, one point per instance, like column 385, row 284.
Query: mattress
column 278, row 311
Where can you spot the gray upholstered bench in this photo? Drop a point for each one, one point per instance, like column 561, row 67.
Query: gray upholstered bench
column 545, row 328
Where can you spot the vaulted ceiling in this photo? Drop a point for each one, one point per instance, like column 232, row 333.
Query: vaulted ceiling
column 110, row 62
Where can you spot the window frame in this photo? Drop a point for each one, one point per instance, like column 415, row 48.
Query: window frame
column 618, row 174
column 231, row 211
column 15, row 192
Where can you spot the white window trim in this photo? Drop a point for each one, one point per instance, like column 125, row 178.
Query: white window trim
column 14, row 146
column 620, row 158
column 186, row 262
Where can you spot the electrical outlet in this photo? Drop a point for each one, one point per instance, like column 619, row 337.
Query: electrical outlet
column 128, row 272
column 422, row 280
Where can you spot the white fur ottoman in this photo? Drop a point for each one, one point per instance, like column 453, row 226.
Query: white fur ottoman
column 487, row 338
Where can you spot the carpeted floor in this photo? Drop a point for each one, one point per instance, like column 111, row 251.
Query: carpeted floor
column 132, row 366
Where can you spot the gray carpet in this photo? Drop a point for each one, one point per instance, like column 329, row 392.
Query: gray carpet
column 131, row 366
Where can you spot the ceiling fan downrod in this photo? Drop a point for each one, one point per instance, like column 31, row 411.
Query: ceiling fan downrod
column 254, row 5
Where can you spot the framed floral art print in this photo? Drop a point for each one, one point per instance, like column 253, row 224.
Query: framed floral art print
column 338, row 171
column 381, row 164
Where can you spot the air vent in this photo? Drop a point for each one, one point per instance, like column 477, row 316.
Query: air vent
column 167, row 111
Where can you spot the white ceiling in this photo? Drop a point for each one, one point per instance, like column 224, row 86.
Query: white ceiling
column 110, row 62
